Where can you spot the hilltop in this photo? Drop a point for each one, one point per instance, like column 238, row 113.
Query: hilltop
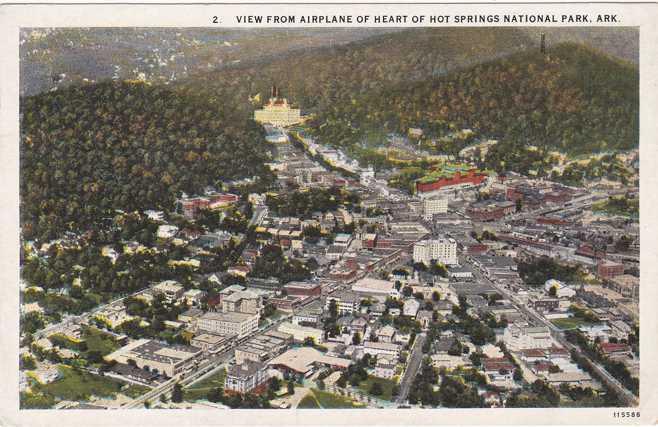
column 88, row 150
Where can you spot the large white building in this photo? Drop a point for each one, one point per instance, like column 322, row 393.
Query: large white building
column 440, row 250
column 518, row 338
column 376, row 288
column 434, row 206
column 157, row 357
column 240, row 324
column 277, row 112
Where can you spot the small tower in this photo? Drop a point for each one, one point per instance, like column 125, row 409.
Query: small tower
column 274, row 94
column 542, row 45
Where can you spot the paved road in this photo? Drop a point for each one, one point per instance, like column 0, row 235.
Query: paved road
column 413, row 364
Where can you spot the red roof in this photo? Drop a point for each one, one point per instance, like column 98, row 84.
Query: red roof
column 609, row 347
column 472, row 177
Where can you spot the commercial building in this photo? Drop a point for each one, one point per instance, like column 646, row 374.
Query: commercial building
column 434, row 206
column 304, row 360
column 245, row 377
column 607, row 269
column 263, row 347
column 239, row 324
column 490, row 211
column 300, row 333
column 561, row 289
column 346, row 302
column 278, row 112
column 455, row 182
column 210, row 343
column 440, row 250
column 518, row 338
column 376, row 288
column 242, row 302
column 157, row 357
column 304, row 289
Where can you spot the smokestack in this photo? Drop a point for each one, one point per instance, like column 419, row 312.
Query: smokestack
column 542, row 46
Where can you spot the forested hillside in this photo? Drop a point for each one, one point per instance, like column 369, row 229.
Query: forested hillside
column 573, row 98
column 89, row 150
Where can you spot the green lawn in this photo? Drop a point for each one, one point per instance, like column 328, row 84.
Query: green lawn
column 328, row 400
column 569, row 322
column 200, row 389
column 309, row 402
column 99, row 341
column 386, row 385
column 78, row 386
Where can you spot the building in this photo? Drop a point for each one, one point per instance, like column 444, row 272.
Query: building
column 346, row 302
column 381, row 348
column 490, row 211
column 440, row 250
column 193, row 297
column 369, row 287
column 308, row 316
column 263, row 347
column 157, row 357
column 305, row 289
column 210, row 343
column 303, row 360
column 172, row 290
column 278, row 112
column 561, row 290
column 232, row 323
column 300, row 333
column 433, row 206
column 166, row 231
column 626, row 285
column 411, row 307
column 386, row 334
column 607, row 269
column 245, row 377
column 518, row 338
column 242, row 302
column 454, row 182
column 385, row 367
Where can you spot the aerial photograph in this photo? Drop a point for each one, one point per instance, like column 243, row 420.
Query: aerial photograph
column 329, row 218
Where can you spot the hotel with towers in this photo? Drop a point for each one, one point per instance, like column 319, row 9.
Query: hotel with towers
column 277, row 112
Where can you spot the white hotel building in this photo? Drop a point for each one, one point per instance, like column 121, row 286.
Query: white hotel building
column 440, row 250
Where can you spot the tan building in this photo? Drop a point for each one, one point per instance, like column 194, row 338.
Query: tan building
column 156, row 357
column 242, row 302
column 239, row 324
column 278, row 112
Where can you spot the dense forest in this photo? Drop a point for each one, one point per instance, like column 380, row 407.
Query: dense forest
column 572, row 98
column 88, row 150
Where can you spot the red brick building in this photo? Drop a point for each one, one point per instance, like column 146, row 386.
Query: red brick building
column 608, row 269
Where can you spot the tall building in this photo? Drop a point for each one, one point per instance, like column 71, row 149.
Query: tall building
column 440, row 250
column 278, row 112
column 434, row 206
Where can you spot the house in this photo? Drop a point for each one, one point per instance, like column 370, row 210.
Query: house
column 245, row 377
column 498, row 369
column 386, row 334
column 615, row 350
column 193, row 297
column 385, row 367
column 443, row 307
column 561, row 289
column 410, row 307
column 172, row 290
column 166, row 231
column 425, row 318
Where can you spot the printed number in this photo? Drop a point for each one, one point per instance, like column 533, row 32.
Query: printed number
column 215, row 20
column 626, row 414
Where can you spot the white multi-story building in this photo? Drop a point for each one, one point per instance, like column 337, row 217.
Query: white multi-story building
column 240, row 324
column 440, row 250
column 434, row 206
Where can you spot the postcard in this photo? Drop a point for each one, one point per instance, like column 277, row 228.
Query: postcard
column 328, row 214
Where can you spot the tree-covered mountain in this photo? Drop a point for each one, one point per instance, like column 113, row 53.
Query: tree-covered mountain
column 573, row 98
column 88, row 150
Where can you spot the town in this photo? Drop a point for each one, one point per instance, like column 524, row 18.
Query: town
column 334, row 289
